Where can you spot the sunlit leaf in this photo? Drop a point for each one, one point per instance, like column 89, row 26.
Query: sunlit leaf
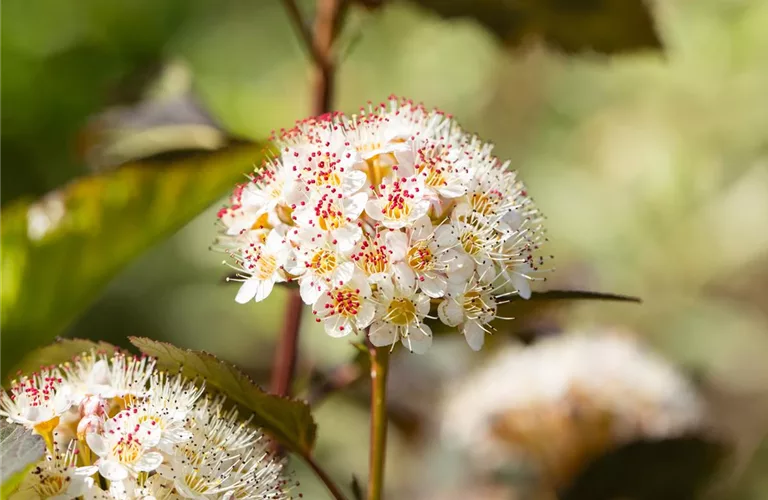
column 19, row 451
column 605, row 26
column 59, row 252
column 57, row 353
column 288, row 421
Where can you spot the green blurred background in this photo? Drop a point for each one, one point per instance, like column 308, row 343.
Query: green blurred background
column 651, row 166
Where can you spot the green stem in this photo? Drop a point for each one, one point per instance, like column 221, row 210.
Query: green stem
column 379, row 369
column 333, row 489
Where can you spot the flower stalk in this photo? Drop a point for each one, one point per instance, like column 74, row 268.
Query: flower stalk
column 378, row 445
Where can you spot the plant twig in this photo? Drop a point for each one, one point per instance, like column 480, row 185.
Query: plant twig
column 325, row 478
column 284, row 367
column 379, row 369
column 320, row 47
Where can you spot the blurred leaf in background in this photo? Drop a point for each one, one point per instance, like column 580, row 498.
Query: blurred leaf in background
column 60, row 252
column 603, row 26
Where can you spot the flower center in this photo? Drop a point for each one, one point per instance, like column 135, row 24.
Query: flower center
column 50, row 485
column 401, row 311
column 481, row 203
column 329, row 221
column 346, row 302
column 323, row 262
column 470, row 242
column 264, row 267
column 373, row 259
column 420, row 257
column 397, row 206
column 127, row 450
column 473, row 302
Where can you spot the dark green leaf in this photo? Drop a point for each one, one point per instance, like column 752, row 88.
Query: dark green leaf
column 667, row 469
column 605, row 26
column 288, row 421
column 521, row 309
column 57, row 353
column 83, row 234
column 19, row 451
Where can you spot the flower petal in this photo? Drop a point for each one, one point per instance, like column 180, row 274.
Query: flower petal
column 149, row 461
column 247, row 291
column 419, row 339
column 112, row 470
column 474, row 334
column 450, row 313
column 383, row 334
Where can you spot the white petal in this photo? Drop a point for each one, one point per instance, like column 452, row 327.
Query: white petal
column 97, row 444
column 452, row 190
column 247, row 291
column 353, row 181
column 433, row 286
column 347, row 236
column 397, row 242
column 405, row 278
column 460, row 269
column 419, row 339
column 149, row 461
column 263, row 289
column 365, row 315
column 450, row 313
column 373, row 209
column 419, row 210
column 522, row 285
column 310, row 289
column 337, row 326
column 343, row 273
column 354, row 205
column 422, row 229
column 383, row 334
column 474, row 334
column 446, row 236
column 112, row 470
column 274, row 242
column 423, row 304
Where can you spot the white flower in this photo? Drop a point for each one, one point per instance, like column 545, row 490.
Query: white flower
column 346, row 309
column 37, row 401
column 470, row 307
column 225, row 458
column 262, row 265
column 335, row 214
column 552, row 388
column 56, row 477
column 373, row 257
column 400, row 202
column 105, row 377
column 419, row 258
column 401, row 192
column 125, row 446
column 170, row 402
column 399, row 316
column 319, row 264
column 478, row 241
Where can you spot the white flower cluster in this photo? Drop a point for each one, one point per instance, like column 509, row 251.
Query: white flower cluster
column 379, row 216
column 117, row 428
column 567, row 395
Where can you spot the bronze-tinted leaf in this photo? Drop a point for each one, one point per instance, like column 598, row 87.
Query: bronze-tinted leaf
column 57, row 353
column 604, row 26
column 288, row 421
